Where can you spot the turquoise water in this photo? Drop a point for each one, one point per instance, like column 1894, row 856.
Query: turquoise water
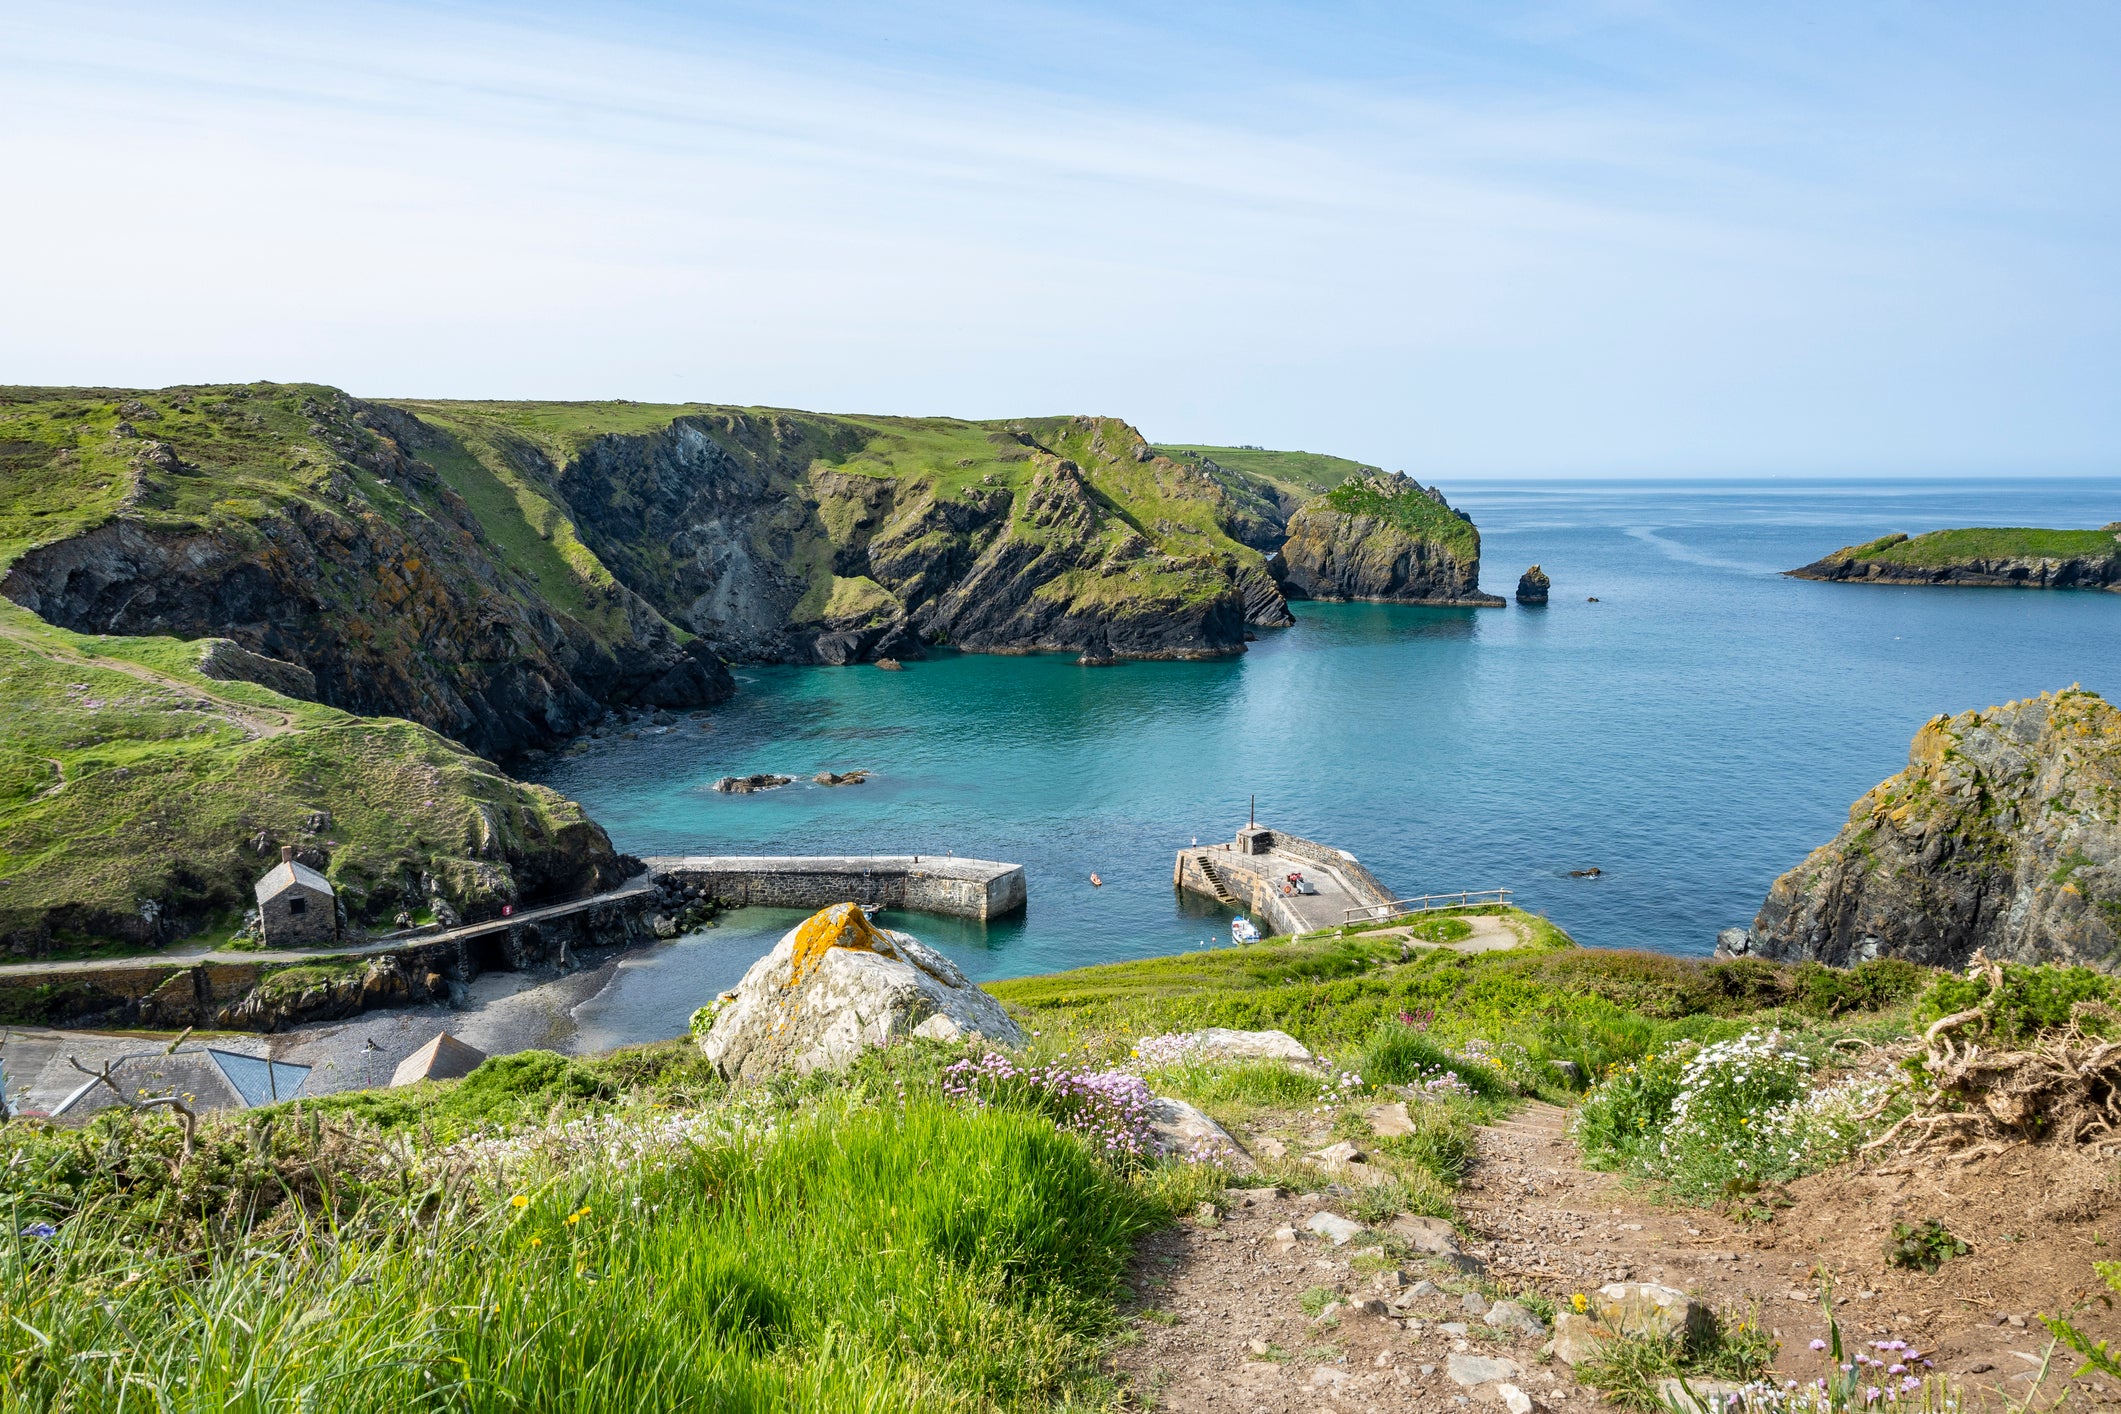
column 1693, row 734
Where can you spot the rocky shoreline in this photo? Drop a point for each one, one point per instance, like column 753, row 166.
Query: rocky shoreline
column 1982, row 559
column 2002, row 837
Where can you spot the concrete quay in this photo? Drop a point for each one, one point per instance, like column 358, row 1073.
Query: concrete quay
column 1251, row 873
column 923, row 883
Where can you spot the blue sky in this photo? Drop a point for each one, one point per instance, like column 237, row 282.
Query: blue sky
column 1463, row 239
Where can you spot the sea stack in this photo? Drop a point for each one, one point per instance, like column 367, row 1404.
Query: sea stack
column 1532, row 586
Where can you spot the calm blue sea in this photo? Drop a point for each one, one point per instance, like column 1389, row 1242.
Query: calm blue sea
column 1692, row 734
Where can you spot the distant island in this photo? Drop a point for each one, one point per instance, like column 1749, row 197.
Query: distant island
column 2008, row 558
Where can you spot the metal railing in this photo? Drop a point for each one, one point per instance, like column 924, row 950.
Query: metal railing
column 1401, row 907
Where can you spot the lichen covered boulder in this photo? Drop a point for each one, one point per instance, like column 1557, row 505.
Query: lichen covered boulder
column 836, row 985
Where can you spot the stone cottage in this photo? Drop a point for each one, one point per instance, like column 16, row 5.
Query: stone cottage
column 296, row 907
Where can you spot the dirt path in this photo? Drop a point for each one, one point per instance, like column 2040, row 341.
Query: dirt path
column 258, row 722
column 396, row 942
column 1534, row 1219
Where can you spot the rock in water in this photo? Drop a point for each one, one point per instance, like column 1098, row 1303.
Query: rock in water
column 2003, row 834
column 835, row 985
column 1385, row 538
column 1532, row 586
column 745, row 785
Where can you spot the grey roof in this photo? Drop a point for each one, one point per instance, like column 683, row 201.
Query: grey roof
column 443, row 1058
column 288, row 873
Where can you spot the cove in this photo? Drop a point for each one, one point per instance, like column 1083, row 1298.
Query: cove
column 1692, row 734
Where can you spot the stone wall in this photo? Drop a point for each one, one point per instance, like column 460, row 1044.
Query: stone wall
column 241, row 995
column 1345, row 864
column 1268, row 910
column 960, row 888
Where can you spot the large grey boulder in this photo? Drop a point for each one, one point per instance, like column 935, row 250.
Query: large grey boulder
column 836, row 985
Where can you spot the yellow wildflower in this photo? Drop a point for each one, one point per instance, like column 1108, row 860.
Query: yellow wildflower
column 519, row 1201
column 1580, row 1302
column 537, row 1242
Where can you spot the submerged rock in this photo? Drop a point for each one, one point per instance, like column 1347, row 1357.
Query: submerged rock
column 836, row 985
column 745, row 785
column 845, row 778
column 1532, row 586
column 2003, row 834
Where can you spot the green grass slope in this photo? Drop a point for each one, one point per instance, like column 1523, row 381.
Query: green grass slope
column 1942, row 548
column 1301, row 475
column 139, row 800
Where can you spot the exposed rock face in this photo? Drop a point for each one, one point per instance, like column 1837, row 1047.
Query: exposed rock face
column 729, row 525
column 224, row 661
column 836, row 985
column 1980, row 559
column 2003, row 834
column 389, row 981
column 1384, row 538
column 1533, row 585
column 365, row 569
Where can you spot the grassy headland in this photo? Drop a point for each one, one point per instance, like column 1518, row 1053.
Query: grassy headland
column 2016, row 555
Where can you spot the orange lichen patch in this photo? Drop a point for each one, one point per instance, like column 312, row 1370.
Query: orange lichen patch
column 843, row 925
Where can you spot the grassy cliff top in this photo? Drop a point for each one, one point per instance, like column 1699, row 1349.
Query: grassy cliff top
column 1411, row 509
column 1301, row 474
column 1941, row 548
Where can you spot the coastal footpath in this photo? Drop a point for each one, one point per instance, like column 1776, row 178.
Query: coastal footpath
column 1980, row 558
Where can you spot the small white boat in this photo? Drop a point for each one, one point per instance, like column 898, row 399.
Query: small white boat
column 1242, row 931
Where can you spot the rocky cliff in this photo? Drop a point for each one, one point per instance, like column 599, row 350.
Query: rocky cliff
column 1981, row 558
column 2003, row 834
column 1386, row 538
column 316, row 530
column 798, row 537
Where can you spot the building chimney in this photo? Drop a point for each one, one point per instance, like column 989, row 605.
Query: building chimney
column 287, row 854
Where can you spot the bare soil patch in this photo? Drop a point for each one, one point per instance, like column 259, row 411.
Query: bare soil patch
column 1536, row 1220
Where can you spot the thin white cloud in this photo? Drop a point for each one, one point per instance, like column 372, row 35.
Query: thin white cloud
column 1447, row 274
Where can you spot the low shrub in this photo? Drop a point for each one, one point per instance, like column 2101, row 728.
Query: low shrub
column 1922, row 1248
column 2031, row 1000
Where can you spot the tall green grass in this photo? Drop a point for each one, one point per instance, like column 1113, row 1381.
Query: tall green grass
column 922, row 1258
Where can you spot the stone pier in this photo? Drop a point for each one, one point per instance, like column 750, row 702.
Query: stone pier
column 1251, row 874
column 924, row 883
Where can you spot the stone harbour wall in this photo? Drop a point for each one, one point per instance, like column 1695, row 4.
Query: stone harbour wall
column 959, row 888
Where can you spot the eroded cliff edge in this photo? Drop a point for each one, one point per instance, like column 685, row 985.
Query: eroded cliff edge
column 2003, row 834
column 1385, row 538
